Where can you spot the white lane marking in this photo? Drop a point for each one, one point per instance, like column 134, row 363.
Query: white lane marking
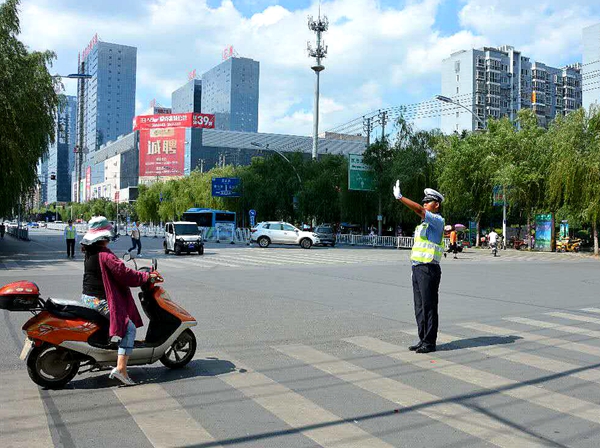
column 249, row 260
column 532, row 337
column 299, row 412
column 533, row 394
column 10, row 264
column 576, row 317
column 160, row 417
column 558, row 327
column 528, row 359
column 200, row 262
column 591, row 310
column 23, row 421
column 454, row 415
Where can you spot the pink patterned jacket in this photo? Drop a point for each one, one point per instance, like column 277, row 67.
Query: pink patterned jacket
column 117, row 279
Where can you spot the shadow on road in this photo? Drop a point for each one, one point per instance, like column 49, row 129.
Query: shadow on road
column 158, row 374
column 481, row 341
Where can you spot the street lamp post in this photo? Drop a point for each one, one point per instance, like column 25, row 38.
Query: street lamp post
column 266, row 147
column 445, row 99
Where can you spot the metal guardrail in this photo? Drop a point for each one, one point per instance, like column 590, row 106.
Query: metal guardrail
column 19, row 232
column 210, row 234
column 397, row 242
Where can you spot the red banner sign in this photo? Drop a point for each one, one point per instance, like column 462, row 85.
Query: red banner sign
column 162, row 152
column 88, row 182
column 187, row 120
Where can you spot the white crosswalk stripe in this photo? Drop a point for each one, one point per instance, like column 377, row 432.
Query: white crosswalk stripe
column 454, row 415
column 161, row 418
column 534, row 394
column 533, row 337
column 320, row 425
column 166, row 422
column 23, row 421
column 554, row 326
column 530, row 359
column 571, row 316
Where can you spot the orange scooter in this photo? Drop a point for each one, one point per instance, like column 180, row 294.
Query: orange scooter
column 65, row 338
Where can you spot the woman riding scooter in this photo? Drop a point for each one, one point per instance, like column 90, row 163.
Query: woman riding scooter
column 106, row 283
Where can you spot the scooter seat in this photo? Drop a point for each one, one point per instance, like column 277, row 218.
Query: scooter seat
column 72, row 309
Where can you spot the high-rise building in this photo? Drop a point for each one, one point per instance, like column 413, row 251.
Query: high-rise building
column 42, row 175
column 187, row 98
column 497, row 82
column 60, row 153
column 230, row 92
column 108, row 96
column 591, row 66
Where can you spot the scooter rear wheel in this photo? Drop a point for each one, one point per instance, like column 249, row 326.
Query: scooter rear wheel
column 181, row 351
column 51, row 367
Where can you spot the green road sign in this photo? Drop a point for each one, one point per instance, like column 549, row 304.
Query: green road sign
column 360, row 175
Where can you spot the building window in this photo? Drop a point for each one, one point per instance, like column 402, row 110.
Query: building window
column 457, row 78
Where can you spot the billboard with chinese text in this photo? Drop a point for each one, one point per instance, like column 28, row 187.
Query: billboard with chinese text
column 162, row 152
column 186, row 120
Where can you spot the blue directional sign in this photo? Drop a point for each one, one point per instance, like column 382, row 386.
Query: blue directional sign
column 226, row 187
column 252, row 214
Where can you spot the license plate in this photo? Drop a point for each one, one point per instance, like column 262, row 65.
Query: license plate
column 27, row 347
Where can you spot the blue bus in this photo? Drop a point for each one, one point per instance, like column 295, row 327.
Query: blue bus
column 208, row 217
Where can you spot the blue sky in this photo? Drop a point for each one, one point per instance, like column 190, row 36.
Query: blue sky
column 381, row 53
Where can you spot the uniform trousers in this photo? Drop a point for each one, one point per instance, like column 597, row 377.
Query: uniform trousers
column 70, row 247
column 426, row 284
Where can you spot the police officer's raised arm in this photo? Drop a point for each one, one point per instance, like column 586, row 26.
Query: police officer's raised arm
column 414, row 206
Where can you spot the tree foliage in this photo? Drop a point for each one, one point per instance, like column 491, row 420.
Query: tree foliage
column 28, row 106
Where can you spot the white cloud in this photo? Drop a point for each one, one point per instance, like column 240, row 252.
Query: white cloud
column 378, row 56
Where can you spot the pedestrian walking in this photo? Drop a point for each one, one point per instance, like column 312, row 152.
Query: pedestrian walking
column 135, row 238
column 426, row 255
column 454, row 242
column 2, row 229
column 70, row 236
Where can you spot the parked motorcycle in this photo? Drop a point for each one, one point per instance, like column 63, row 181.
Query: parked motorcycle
column 65, row 338
column 568, row 245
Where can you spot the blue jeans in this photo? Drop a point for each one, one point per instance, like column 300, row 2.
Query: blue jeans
column 136, row 242
column 126, row 344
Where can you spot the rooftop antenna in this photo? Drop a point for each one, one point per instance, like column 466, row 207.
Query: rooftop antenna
column 318, row 26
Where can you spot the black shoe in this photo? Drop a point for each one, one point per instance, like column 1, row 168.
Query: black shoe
column 417, row 346
column 425, row 349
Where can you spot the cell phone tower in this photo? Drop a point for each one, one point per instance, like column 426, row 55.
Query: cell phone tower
column 318, row 26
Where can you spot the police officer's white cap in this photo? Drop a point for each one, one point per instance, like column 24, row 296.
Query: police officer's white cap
column 432, row 195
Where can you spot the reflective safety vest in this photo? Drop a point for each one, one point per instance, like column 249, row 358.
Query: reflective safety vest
column 71, row 233
column 423, row 250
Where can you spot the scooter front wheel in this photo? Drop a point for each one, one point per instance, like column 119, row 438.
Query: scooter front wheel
column 181, row 351
column 51, row 367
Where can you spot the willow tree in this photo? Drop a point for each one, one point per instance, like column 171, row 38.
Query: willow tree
column 28, row 107
column 574, row 173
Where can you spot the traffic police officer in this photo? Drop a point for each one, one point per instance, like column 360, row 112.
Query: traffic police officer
column 426, row 255
column 70, row 237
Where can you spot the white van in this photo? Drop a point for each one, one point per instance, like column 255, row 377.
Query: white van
column 183, row 236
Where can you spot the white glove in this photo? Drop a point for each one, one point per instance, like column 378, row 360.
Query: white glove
column 396, row 190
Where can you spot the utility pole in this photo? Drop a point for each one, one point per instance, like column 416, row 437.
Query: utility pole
column 382, row 119
column 367, row 128
column 79, row 160
column 319, row 26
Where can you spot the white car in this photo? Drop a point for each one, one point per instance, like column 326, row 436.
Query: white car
column 277, row 232
column 183, row 236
